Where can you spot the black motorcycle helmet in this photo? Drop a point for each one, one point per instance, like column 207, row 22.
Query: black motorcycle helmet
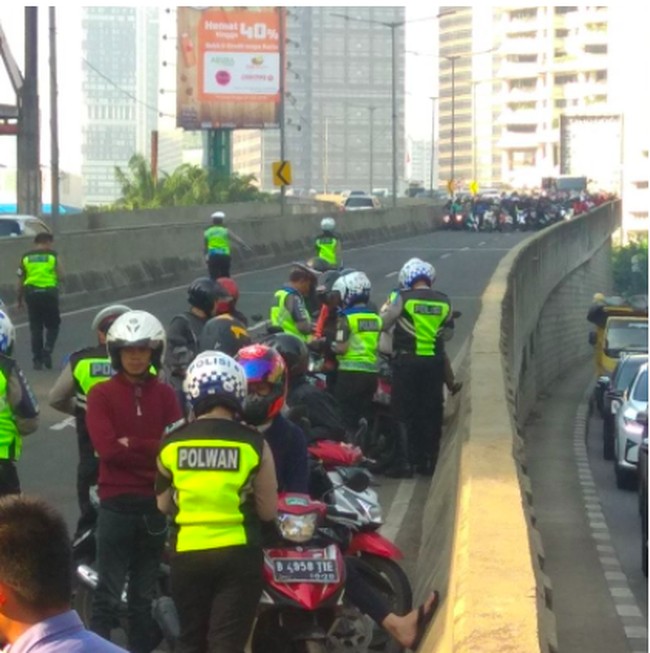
column 293, row 350
column 203, row 293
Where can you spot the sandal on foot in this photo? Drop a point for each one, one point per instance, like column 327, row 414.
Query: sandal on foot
column 424, row 619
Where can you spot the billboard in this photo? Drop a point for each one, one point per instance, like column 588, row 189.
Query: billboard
column 228, row 67
column 591, row 146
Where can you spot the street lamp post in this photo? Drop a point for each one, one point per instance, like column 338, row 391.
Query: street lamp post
column 371, row 111
column 392, row 25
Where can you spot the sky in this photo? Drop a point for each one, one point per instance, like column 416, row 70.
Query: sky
column 421, row 36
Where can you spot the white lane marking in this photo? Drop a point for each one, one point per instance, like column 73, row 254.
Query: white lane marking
column 447, row 255
column 59, row 426
column 465, row 249
column 398, row 509
column 392, row 274
column 483, row 243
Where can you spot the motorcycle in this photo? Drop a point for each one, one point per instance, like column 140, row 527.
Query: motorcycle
column 489, row 221
column 453, row 221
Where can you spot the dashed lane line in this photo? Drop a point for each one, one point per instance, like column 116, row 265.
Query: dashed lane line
column 634, row 623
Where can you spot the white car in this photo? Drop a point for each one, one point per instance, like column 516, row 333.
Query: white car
column 21, row 225
column 628, row 430
column 361, row 203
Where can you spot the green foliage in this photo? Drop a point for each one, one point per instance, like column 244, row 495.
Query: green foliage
column 188, row 185
column 630, row 268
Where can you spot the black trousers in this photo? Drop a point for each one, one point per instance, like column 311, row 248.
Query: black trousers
column 87, row 471
column 417, row 403
column 44, row 316
column 128, row 545
column 354, row 392
column 9, row 483
column 219, row 265
column 216, row 593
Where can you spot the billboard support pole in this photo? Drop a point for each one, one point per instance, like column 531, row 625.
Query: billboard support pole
column 283, row 41
column 218, row 152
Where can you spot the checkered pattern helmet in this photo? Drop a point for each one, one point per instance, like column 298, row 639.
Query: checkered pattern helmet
column 215, row 374
column 416, row 270
column 353, row 287
column 7, row 334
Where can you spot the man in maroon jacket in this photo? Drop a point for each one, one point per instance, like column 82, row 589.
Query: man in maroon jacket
column 126, row 417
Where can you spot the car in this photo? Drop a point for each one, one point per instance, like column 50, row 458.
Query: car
column 643, row 492
column 361, row 203
column 21, row 225
column 628, row 430
column 613, row 388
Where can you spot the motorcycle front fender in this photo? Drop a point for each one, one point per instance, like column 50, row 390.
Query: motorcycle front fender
column 374, row 544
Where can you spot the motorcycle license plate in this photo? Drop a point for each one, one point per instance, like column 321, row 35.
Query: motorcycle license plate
column 305, row 570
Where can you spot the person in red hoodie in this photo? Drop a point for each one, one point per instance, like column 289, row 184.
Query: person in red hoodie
column 127, row 417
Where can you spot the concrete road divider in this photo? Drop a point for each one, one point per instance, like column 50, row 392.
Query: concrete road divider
column 119, row 253
column 479, row 546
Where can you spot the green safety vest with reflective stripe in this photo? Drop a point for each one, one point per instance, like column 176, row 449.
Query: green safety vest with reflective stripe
column 40, row 269
column 280, row 317
column 424, row 311
column 217, row 239
column 88, row 372
column 213, row 463
column 362, row 352
column 10, row 440
column 326, row 248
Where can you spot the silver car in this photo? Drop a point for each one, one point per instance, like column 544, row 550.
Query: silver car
column 628, row 430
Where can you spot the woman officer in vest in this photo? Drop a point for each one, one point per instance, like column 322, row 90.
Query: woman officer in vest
column 217, row 476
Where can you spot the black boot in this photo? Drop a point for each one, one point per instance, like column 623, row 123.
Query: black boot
column 401, row 468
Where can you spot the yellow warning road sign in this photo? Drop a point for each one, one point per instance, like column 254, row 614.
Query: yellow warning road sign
column 282, row 173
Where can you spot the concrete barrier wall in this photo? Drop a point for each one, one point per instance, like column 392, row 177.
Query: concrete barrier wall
column 532, row 327
column 135, row 257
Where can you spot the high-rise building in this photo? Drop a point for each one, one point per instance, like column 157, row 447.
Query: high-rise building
column 120, row 93
column 511, row 77
column 338, row 102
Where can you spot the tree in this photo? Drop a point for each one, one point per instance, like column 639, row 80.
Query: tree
column 630, row 268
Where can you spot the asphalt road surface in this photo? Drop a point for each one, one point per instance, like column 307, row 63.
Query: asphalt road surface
column 464, row 262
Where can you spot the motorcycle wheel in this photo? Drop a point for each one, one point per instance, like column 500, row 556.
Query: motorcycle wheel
column 383, row 572
column 83, row 603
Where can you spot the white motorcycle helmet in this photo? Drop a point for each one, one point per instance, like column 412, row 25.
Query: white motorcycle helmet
column 416, row 269
column 213, row 374
column 105, row 318
column 353, row 288
column 219, row 215
column 136, row 329
column 328, row 224
column 7, row 334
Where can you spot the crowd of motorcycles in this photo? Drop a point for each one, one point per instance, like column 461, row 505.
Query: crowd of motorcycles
column 304, row 608
column 515, row 212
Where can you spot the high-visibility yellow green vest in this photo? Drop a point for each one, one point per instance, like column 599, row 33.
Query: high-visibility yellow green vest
column 40, row 269
column 362, row 352
column 212, row 463
column 10, row 440
column 280, row 317
column 423, row 314
column 218, row 241
column 326, row 248
column 89, row 369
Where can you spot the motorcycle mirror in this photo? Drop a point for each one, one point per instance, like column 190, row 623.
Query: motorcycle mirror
column 358, row 482
column 257, row 317
column 456, row 314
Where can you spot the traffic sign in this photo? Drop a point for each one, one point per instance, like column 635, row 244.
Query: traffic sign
column 473, row 187
column 282, row 173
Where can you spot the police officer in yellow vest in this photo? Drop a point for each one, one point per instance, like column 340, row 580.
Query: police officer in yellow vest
column 216, row 246
column 419, row 315
column 85, row 369
column 356, row 347
column 40, row 274
column 18, row 409
column 289, row 311
column 328, row 244
column 217, row 477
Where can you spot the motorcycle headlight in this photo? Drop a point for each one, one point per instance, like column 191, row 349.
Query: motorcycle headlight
column 297, row 528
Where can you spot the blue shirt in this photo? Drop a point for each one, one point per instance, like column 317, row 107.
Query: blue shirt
column 61, row 634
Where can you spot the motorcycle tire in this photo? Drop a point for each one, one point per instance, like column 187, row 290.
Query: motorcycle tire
column 83, row 603
column 381, row 572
